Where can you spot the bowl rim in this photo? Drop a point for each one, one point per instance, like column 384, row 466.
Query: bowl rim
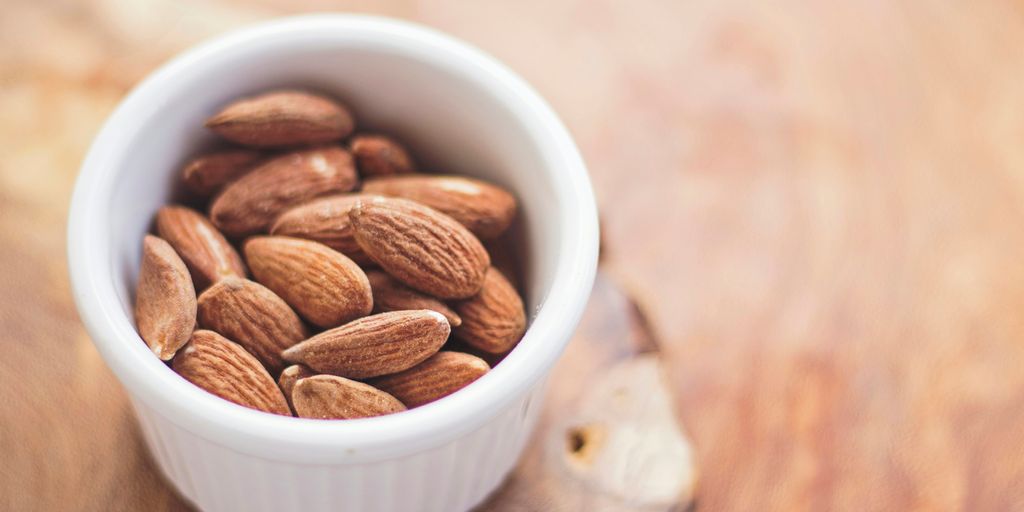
column 316, row 441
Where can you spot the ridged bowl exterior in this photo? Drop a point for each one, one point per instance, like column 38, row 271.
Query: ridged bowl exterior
column 452, row 477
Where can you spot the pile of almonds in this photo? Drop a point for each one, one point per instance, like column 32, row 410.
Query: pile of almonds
column 354, row 270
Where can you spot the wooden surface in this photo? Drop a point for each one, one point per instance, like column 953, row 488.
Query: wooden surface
column 817, row 205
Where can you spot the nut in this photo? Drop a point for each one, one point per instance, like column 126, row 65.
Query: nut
column 283, row 118
column 494, row 320
column 379, row 155
column 204, row 250
column 207, row 174
column 323, row 285
column 225, row 369
column 419, row 246
column 165, row 300
column 324, row 220
column 375, row 345
column 331, row 397
column 390, row 295
column 485, row 209
column 439, row 376
column 250, row 204
column 254, row 317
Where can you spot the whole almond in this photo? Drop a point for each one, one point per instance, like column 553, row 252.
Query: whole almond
column 324, row 220
column 375, row 345
column 494, row 320
column 321, row 284
column 329, row 397
column 439, row 376
column 379, row 155
column 419, row 246
column 289, row 376
column 283, row 118
column 165, row 299
column 207, row 174
column 250, row 204
column 254, row 317
column 225, row 369
column 390, row 295
column 485, row 209
column 204, row 250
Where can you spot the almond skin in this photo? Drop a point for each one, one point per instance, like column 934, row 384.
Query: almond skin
column 250, row 204
column 225, row 369
column 207, row 174
column 321, row 284
column 328, row 397
column 254, row 317
column 165, row 299
column 424, row 249
column 379, row 155
column 289, row 376
column 324, row 220
column 439, row 376
column 283, row 118
column 494, row 320
column 485, row 209
column 375, row 345
column 208, row 255
column 390, row 295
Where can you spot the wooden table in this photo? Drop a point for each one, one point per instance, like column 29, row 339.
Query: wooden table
column 817, row 205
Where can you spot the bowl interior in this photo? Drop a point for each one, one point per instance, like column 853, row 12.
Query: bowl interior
column 451, row 125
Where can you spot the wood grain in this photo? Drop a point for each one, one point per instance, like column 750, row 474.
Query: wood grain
column 817, row 204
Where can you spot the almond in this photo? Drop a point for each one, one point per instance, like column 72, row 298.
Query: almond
column 378, row 155
column 250, row 204
column 502, row 251
column 289, row 376
column 207, row 174
column 324, row 220
column 283, row 118
column 252, row 316
column 487, row 210
column 165, row 299
column 390, row 295
column 206, row 252
column 439, row 376
column 321, row 284
column 225, row 369
column 494, row 320
column 422, row 248
column 328, row 397
column 375, row 345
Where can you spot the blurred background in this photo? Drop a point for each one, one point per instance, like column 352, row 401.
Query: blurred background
column 817, row 206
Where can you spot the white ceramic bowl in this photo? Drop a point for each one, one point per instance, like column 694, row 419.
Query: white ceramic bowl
column 461, row 111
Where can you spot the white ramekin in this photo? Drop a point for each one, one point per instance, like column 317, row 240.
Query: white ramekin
column 462, row 112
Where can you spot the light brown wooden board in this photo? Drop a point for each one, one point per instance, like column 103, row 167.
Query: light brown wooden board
column 817, row 204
